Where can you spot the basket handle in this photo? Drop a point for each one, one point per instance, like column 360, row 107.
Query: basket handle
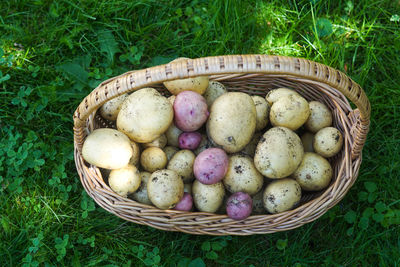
column 266, row 64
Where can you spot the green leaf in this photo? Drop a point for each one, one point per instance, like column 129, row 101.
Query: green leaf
column 188, row 11
column 198, row 262
column 380, row 207
column 362, row 196
column 183, row 262
column 281, row 244
column 206, row 246
column 156, row 259
column 75, row 72
column 211, row 255
column 4, row 78
column 216, row 246
column 378, row 217
column 323, row 27
column 370, row 186
column 108, row 44
column 350, row 216
column 372, row 197
column 5, row 224
column 350, row 231
column 363, row 224
column 368, row 212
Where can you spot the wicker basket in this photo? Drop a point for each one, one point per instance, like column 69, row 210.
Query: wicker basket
column 255, row 74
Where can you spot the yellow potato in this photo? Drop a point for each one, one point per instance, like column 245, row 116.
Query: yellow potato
column 111, row 108
column 275, row 94
column 182, row 163
column 262, row 112
column 328, row 142
column 124, row 181
column 141, row 194
column 208, row 198
column 170, row 151
column 320, row 117
column 232, row 121
column 281, row 195
column 172, row 135
column 290, row 112
column 153, row 158
column 213, row 91
column 145, row 115
column 107, row 148
column 135, row 153
column 160, row 142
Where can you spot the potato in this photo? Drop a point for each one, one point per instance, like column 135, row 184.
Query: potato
column 172, row 135
column 189, row 140
column 135, row 153
column 314, row 172
column 204, row 144
column 190, row 110
column 187, row 188
column 328, row 142
column 232, row 121
column 320, row 117
column 211, row 165
column 281, row 195
column 111, row 108
column 258, row 204
column 213, row 91
column 170, row 151
column 186, row 203
column 145, row 115
column 153, row 158
column 290, row 112
column 275, row 94
column 182, row 163
column 239, row 206
column 262, row 112
column 165, row 189
column 250, row 148
column 171, row 99
column 242, row 176
column 107, row 148
column 124, row 181
column 279, row 153
column 307, row 139
column 160, row 142
column 208, row 198
column 141, row 194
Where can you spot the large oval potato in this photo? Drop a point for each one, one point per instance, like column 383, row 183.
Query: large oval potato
column 182, row 163
column 145, row 115
column 107, row 148
column 165, row 189
column 242, row 176
column 111, row 108
column 289, row 111
column 208, row 198
column 279, row 153
column 232, row 121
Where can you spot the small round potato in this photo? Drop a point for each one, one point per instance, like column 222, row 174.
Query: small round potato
column 170, row 151
column 204, row 144
column 242, row 176
column 208, row 198
column 153, row 158
column 250, row 148
column 314, row 172
column 182, row 163
column 279, row 153
column 135, row 153
column 213, row 91
column 107, row 148
column 141, row 194
column 232, row 121
column 111, row 108
column 145, row 115
column 262, row 112
column 197, row 84
column 320, row 117
column 186, row 203
column 190, row 111
column 275, row 94
column 328, row 142
column 165, row 189
column 307, row 139
column 160, row 142
column 124, row 181
column 172, row 134
column 290, row 112
column 239, row 206
column 189, row 140
column 281, row 195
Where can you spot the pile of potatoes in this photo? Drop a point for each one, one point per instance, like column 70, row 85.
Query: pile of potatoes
column 207, row 149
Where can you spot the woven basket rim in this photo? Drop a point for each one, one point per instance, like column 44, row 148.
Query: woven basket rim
column 233, row 67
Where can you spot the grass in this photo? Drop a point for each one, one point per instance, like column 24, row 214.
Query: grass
column 54, row 52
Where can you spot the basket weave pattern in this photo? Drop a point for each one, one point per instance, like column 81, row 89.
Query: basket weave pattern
column 254, row 74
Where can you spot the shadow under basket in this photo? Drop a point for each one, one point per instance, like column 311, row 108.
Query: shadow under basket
column 253, row 74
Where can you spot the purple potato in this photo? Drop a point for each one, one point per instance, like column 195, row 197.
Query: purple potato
column 186, row 203
column 211, row 165
column 190, row 111
column 239, row 206
column 189, row 140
